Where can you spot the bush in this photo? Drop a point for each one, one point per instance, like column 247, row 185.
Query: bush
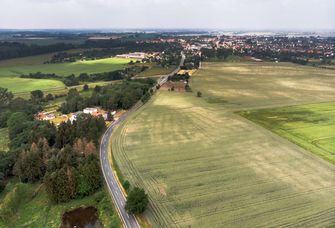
column 137, row 201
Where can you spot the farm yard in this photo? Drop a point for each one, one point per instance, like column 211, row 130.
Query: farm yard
column 202, row 164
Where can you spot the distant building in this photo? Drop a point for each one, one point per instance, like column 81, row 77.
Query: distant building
column 134, row 55
column 45, row 116
column 90, row 110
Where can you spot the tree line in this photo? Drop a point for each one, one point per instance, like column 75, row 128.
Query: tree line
column 112, row 97
column 72, row 80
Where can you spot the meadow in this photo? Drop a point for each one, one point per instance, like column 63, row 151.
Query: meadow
column 65, row 69
column 10, row 71
column 204, row 165
column 310, row 126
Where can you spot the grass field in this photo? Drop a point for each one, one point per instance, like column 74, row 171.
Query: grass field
column 24, row 85
column 11, row 69
column 37, row 211
column 65, row 69
column 310, row 126
column 4, row 140
column 203, row 165
column 254, row 85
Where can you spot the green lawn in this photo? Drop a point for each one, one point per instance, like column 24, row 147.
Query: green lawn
column 4, row 140
column 310, row 126
column 37, row 211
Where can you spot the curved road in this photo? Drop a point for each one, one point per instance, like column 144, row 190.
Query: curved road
column 129, row 220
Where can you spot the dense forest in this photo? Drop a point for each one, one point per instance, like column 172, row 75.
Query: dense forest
column 93, row 49
column 65, row 159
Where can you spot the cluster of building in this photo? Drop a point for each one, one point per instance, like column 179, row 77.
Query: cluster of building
column 50, row 116
column 246, row 44
column 319, row 46
column 133, row 55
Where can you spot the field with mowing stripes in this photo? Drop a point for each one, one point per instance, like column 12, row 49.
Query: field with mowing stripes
column 203, row 165
column 254, row 85
column 9, row 75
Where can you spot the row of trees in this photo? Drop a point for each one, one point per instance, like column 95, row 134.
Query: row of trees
column 112, row 97
column 72, row 80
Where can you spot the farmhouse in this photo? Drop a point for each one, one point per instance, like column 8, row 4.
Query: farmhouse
column 90, row 110
column 45, row 116
column 134, row 55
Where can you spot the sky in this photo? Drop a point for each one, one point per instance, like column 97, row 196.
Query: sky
column 306, row 15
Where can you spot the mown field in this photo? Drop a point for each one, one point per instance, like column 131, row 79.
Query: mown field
column 203, row 165
column 33, row 209
column 11, row 70
column 254, row 85
column 4, row 140
column 310, row 126
column 65, row 69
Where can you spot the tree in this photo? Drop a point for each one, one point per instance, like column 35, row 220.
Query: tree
column 137, row 201
column 29, row 166
column 85, row 87
column 36, row 96
column 199, row 94
column 5, row 97
column 57, row 186
column 16, row 123
column 110, row 117
column 49, row 97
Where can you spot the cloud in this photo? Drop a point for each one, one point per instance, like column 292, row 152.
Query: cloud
column 223, row 14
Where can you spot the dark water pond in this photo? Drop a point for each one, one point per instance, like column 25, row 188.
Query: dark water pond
column 81, row 218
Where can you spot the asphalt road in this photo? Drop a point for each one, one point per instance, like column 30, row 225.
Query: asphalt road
column 119, row 198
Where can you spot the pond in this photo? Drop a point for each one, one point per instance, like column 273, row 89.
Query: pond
column 81, row 218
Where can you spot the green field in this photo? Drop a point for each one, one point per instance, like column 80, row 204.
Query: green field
column 4, row 140
column 65, row 69
column 37, row 211
column 310, row 126
column 24, row 85
column 203, row 165
column 9, row 72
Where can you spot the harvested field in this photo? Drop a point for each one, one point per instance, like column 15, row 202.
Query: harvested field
column 249, row 85
column 204, row 166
